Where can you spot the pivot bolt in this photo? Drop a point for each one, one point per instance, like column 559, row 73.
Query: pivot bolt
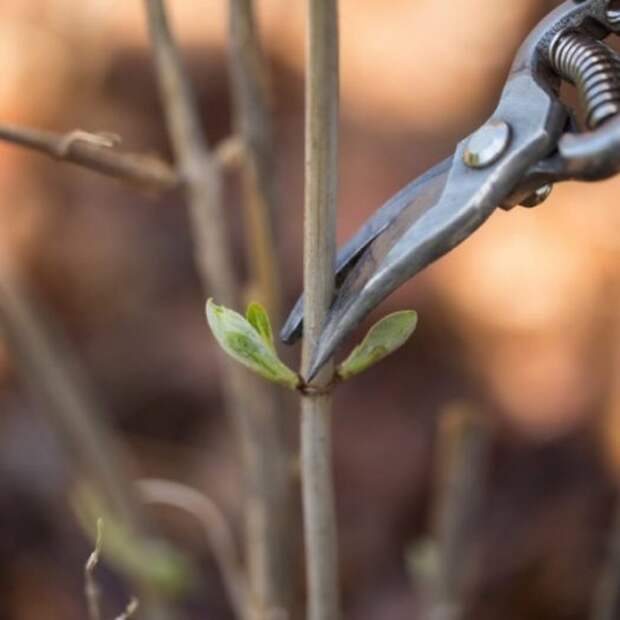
column 538, row 197
column 487, row 145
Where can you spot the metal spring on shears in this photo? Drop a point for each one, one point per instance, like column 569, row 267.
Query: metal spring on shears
column 613, row 16
column 594, row 68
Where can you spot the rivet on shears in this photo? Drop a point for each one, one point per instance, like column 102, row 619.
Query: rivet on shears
column 487, row 144
column 538, row 197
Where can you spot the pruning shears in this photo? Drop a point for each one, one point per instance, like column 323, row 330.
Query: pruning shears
column 531, row 142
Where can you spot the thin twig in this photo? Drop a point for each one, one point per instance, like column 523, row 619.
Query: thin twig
column 94, row 152
column 271, row 566
column 215, row 259
column 216, row 528
column 130, row 610
column 198, row 168
column 229, row 152
column 322, row 99
column 91, row 588
column 463, row 452
column 253, row 119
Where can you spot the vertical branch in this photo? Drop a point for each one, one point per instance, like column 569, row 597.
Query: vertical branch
column 268, row 515
column 254, row 125
column 463, row 448
column 200, row 170
column 322, row 103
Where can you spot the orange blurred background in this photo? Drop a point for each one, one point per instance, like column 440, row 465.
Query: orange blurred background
column 520, row 322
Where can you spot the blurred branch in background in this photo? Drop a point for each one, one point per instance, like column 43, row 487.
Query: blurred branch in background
column 92, row 591
column 130, row 611
column 45, row 363
column 201, row 173
column 270, row 517
column 94, row 152
column 320, row 194
column 197, row 166
column 462, row 456
column 254, row 125
column 219, row 535
column 91, row 587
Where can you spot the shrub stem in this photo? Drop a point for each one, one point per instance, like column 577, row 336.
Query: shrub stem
column 322, row 103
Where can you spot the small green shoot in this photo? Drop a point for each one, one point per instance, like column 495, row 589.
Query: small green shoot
column 259, row 319
column 250, row 342
column 383, row 338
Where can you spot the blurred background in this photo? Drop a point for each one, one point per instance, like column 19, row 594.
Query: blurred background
column 519, row 326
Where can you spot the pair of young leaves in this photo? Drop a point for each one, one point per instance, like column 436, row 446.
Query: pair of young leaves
column 250, row 341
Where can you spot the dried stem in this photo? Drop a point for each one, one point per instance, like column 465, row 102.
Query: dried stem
column 216, row 528
column 463, row 446
column 322, row 97
column 130, row 610
column 89, row 151
column 253, row 120
column 91, row 588
column 269, row 521
column 244, row 397
column 198, row 168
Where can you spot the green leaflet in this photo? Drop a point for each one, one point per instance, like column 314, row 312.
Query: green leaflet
column 250, row 342
column 387, row 335
column 257, row 317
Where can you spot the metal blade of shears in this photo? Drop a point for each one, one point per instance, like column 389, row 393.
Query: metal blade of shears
column 394, row 216
column 450, row 209
column 433, row 215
